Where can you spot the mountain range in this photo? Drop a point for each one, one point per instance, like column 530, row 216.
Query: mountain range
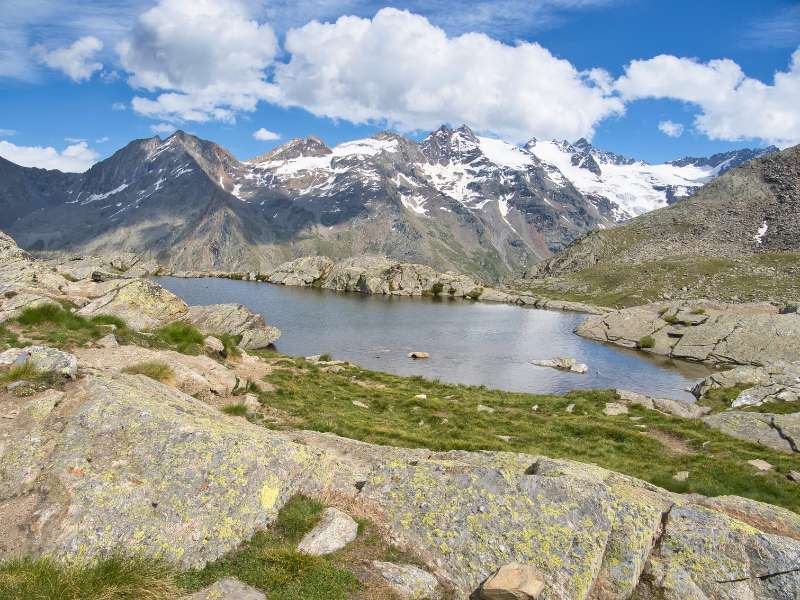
column 453, row 200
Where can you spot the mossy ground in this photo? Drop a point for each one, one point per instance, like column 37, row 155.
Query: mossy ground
column 644, row 444
column 268, row 561
column 755, row 278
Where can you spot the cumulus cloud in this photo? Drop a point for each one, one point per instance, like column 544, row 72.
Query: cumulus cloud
column 732, row 105
column 207, row 57
column 76, row 61
column 75, row 158
column 265, row 135
column 671, row 128
column 163, row 128
column 400, row 69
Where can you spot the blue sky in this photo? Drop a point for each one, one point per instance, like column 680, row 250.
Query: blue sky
column 79, row 81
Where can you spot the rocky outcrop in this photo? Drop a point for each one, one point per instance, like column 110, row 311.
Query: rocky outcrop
column 562, row 364
column 701, row 331
column 123, row 462
column 781, row 432
column 141, row 304
column 676, row 408
column 305, row 271
column 775, row 382
column 236, row 320
column 41, row 358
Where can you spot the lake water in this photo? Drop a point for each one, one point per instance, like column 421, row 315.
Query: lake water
column 469, row 342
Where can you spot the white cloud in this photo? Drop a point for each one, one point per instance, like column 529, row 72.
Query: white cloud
column 74, row 158
column 119, row 106
column 207, row 56
column 7, row 132
column 265, row 135
column 76, row 61
column 671, row 129
column 732, row 105
column 163, row 128
column 102, row 140
column 400, row 69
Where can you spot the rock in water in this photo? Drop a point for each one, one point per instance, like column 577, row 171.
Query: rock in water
column 562, row 364
column 418, row 355
column 236, row 320
column 43, row 359
column 229, row 588
column 335, row 530
column 513, row 581
column 408, row 582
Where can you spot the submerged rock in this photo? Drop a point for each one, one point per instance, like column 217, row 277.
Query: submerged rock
column 562, row 364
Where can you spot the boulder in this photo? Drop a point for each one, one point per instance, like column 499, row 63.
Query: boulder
column 229, row 588
column 418, row 354
column 334, row 531
column 304, row 271
column 213, row 344
column 780, row 432
column 407, row 581
column 513, row 581
column 108, row 341
column 613, row 409
column 43, row 359
column 677, row 408
column 141, row 304
column 562, row 364
column 236, row 320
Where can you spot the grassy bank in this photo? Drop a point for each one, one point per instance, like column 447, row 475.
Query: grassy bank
column 644, row 444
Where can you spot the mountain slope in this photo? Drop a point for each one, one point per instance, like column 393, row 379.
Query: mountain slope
column 453, row 201
column 737, row 237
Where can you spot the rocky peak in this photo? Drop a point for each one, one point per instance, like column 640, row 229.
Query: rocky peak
column 445, row 145
column 724, row 161
column 309, row 146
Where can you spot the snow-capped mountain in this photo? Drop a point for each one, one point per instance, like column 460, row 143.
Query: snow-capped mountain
column 454, row 200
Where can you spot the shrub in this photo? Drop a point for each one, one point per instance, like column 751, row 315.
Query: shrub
column 185, row 338
column 235, row 410
column 153, row 369
column 437, row 288
column 325, row 357
column 647, row 342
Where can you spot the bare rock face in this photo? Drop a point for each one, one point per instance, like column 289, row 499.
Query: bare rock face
column 236, row 320
column 407, row 581
column 334, row 531
column 513, row 582
column 721, row 334
column 141, row 304
column 781, row 431
column 775, row 382
column 229, row 588
column 305, row 271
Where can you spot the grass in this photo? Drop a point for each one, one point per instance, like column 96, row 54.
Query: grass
column 231, row 344
column 113, row 578
column 185, row 338
column 720, row 399
column 54, row 325
column 153, row 369
column 653, row 447
column 235, row 410
column 23, row 372
column 647, row 342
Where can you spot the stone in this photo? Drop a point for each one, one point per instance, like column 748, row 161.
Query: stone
column 360, row 404
column 304, row 271
column 759, row 464
column 236, row 320
column 794, row 476
column 421, row 397
column 407, row 581
column 229, row 588
column 214, row 344
column 251, row 403
column 778, row 431
column 563, row 364
column 107, row 341
column 486, row 409
column 334, row 531
column 141, row 304
column 43, row 359
column 635, row 398
column 612, row 409
column 513, row 581
column 570, row 408
column 681, row 476
column 418, row 355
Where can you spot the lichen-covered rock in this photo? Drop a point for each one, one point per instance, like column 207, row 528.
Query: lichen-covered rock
column 775, row 382
column 781, row 432
column 236, row 320
column 722, row 334
column 141, row 304
column 198, row 376
column 42, row 358
column 229, row 588
column 334, row 531
column 407, row 581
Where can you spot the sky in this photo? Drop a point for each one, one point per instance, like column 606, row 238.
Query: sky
column 648, row 79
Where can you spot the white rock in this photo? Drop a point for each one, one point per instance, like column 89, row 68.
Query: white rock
column 513, row 581
column 108, row 341
column 421, row 397
column 613, row 409
column 360, row 404
column 335, row 530
column 486, row 409
column 562, row 364
column 229, row 588
column 759, row 464
column 214, row 344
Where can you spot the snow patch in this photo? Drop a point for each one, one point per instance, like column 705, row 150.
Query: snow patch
column 762, row 231
column 103, row 196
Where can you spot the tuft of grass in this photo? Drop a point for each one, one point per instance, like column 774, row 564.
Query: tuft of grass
column 699, row 311
column 671, row 319
column 116, row 577
column 325, row 357
column 185, row 338
column 235, row 410
column 23, row 372
column 153, row 369
column 448, row 420
column 647, row 342
column 54, row 325
column 231, row 343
